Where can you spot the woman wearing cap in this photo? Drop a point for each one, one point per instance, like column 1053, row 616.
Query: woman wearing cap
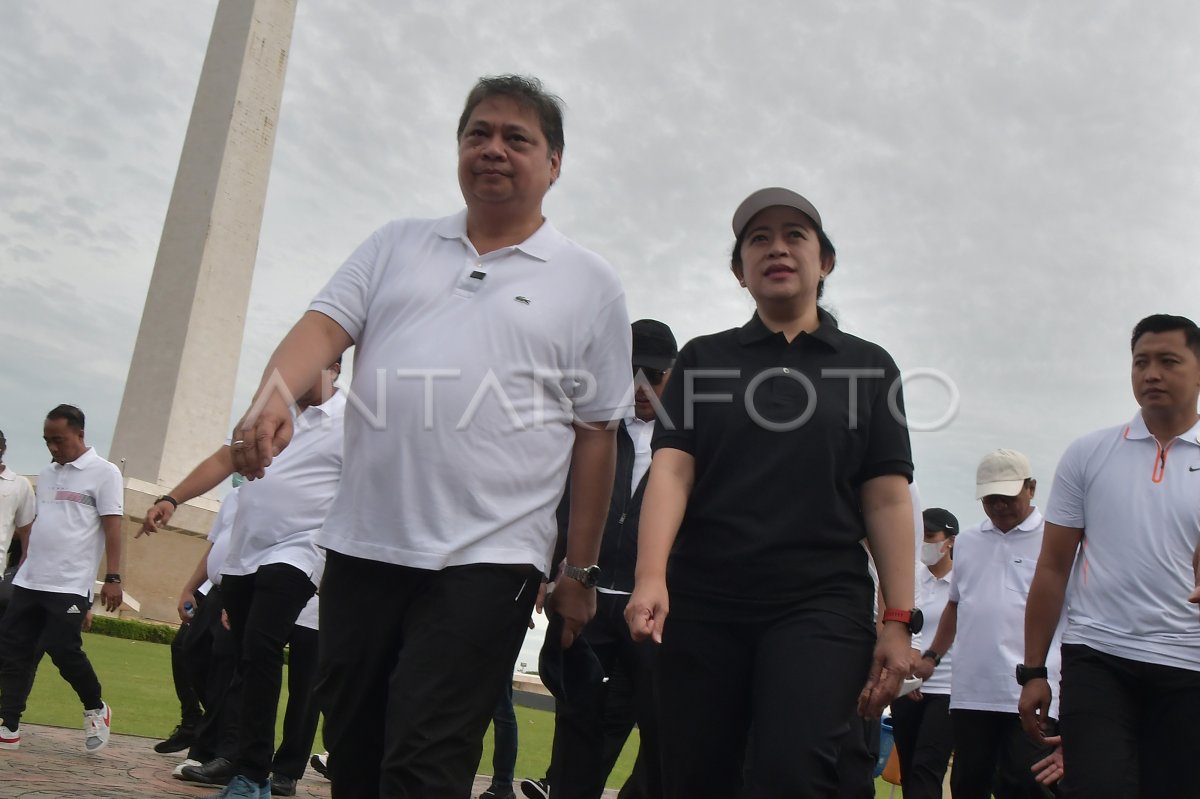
column 921, row 720
column 785, row 447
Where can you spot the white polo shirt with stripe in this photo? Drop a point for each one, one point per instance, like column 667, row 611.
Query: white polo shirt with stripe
column 990, row 582
column 67, row 540
column 278, row 515
column 469, row 371
column 17, row 507
column 932, row 595
column 1138, row 504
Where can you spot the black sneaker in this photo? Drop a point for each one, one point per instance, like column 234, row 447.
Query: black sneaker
column 320, row 764
column 282, row 786
column 217, row 771
column 535, row 789
column 180, row 738
column 498, row 792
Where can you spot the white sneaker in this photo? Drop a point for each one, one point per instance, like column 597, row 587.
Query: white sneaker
column 178, row 772
column 9, row 739
column 96, row 726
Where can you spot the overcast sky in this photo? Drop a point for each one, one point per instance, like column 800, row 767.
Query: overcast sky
column 1010, row 188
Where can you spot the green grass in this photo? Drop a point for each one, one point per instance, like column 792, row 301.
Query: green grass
column 137, row 683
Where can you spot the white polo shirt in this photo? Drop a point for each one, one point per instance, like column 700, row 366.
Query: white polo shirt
column 17, row 507
column 218, row 536
column 67, row 540
column 467, row 372
column 932, row 595
column 1139, row 507
column 990, row 582
column 278, row 515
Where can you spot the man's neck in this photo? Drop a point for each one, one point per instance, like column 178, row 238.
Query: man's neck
column 1167, row 425
column 493, row 230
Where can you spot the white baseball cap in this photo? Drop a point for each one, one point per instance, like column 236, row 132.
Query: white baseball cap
column 1002, row 471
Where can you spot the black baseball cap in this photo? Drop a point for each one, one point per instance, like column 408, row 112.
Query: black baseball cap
column 940, row 520
column 653, row 344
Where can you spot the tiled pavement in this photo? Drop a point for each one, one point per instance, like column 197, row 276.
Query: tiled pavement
column 51, row 764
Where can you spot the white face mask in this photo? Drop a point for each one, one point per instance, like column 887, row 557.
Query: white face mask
column 931, row 552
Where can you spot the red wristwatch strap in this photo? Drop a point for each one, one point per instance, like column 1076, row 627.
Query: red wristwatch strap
column 902, row 616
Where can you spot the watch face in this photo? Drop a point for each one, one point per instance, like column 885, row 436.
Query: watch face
column 917, row 622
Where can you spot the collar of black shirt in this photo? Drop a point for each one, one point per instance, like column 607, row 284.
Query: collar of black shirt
column 828, row 333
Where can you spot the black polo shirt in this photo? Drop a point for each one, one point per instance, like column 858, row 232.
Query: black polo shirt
column 784, row 435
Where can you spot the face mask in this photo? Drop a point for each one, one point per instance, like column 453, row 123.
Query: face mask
column 931, row 553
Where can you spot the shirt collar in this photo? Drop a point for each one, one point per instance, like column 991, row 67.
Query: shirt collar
column 1032, row 522
column 1137, row 430
column 7, row 473
column 541, row 245
column 827, row 332
column 83, row 460
column 329, row 406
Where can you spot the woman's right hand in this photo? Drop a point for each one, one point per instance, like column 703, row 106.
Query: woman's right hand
column 647, row 610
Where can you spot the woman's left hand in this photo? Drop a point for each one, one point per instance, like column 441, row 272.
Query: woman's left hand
column 889, row 667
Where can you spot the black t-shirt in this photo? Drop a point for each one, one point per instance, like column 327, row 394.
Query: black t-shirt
column 782, row 447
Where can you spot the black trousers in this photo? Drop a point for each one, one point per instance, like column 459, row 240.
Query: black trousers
column 578, row 765
column 190, row 711
column 924, row 740
column 857, row 757
column 262, row 609
column 211, row 656
column 992, row 755
column 411, row 663
column 1129, row 728
column 37, row 620
column 303, row 713
column 791, row 677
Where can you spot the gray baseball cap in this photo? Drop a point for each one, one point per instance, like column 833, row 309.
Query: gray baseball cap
column 765, row 198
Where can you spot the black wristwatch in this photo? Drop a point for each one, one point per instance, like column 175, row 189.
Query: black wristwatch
column 112, row 578
column 934, row 656
column 913, row 619
column 1027, row 673
column 168, row 498
column 588, row 575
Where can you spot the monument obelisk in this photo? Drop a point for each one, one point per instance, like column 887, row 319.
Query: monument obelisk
column 179, row 392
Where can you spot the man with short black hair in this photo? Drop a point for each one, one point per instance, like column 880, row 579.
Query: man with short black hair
column 984, row 620
column 490, row 353
column 1122, row 531
column 80, row 506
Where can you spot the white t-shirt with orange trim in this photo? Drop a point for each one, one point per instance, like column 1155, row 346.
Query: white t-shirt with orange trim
column 1138, row 504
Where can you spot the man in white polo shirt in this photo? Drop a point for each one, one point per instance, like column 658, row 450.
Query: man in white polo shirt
column 1122, row 529
column 491, row 351
column 17, row 509
column 984, row 620
column 79, row 511
column 271, row 571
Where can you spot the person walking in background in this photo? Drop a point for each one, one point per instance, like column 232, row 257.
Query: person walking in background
column 17, row 509
column 921, row 720
column 1122, row 531
column 79, row 510
column 770, row 467
column 984, row 620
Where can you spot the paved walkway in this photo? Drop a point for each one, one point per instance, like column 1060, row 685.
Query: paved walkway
column 51, row 764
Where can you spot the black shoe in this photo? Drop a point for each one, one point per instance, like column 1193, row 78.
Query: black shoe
column 535, row 789
column 282, row 786
column 180, row 738
column 320, row 764
column 217, row 771
column 498, row 792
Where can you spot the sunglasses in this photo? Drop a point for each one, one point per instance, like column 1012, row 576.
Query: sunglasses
column 653, row 376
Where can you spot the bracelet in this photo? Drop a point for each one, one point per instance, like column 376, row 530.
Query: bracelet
column 168, row 498
column 112, row 578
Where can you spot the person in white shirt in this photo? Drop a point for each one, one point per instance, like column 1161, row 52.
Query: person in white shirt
column 491, row 352
column 80, row 506
column 271, row 570
column 921, row 720
column 17, row 509
column 984, row 620
column 1122, row 530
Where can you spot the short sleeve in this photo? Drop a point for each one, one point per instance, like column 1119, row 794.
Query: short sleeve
column 954, row 581
column 606, row 359
column 1065, row 507
column 26, row 506
column 889, row 450
column 347, row 295
column 668, row 427
column 110, row 494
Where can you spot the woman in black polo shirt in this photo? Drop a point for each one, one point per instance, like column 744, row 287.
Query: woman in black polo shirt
column 786, row 447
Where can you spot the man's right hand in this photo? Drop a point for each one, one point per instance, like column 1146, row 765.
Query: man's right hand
column 186, row 597
column 923, row 668
column 159, row 514
column 1034, row 708
column 260, row 435
column 575, row 604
